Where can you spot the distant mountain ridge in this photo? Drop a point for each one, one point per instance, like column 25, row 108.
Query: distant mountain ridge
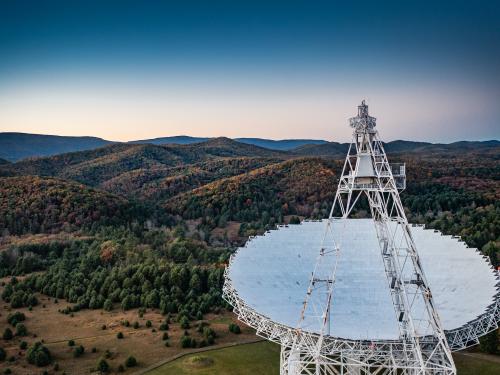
column 282, row 145
column 18, row 146
column 334, row 149
column 176, row 139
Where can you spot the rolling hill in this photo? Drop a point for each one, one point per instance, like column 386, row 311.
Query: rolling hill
column 31, row 204
column 132, row 168
column 165, row 182
column 18, row 146
column 292, row 187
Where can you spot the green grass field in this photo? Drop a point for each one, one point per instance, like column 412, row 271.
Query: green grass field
column 259, row 358
column 263, row 358
column 475, row 366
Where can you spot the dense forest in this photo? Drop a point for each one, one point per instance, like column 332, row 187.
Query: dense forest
column 31, row 204
column 127, row 226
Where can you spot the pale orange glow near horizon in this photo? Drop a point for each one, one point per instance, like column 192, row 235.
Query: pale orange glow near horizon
column 427, row 113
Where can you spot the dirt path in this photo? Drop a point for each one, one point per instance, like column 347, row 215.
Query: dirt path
column 200, row 350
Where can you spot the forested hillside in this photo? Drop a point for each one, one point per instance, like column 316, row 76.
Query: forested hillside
column 95, row 167
column 31, row 204
column 263, row 197
column 131, row 226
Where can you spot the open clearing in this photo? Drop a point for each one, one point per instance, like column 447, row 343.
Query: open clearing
column 86, row 328
column 263, row 358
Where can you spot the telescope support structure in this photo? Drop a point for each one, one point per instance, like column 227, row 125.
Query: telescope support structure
column 422, row 347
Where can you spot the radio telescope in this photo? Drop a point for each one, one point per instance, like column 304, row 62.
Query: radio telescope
column 364, row 296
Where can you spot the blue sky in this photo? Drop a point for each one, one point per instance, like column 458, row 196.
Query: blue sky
column 278, row 69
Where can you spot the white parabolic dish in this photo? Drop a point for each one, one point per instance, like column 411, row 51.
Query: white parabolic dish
column 271, row 273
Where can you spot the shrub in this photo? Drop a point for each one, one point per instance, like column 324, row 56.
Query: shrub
column 148, row 323
column 7, row 334
column 119, row 335
column 2, row 354
column 209, row 335
column 164, row 326
column 184, row 322
column 121, row 368
column 71, row 343
column 15, row 318
column 165, row 336
column 23, row 345
column 79, row 350
column 102, row 366
column 94, row 350
column 21, row 329
column 234, row 328
column 136, row 325
column 185, row 341
column 131, row 362
column 108, row 305
column 38, row 355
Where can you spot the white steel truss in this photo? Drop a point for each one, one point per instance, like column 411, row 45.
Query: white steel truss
column 367, row 172
column 423, row 346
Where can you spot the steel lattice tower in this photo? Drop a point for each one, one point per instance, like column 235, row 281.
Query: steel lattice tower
column 422, row 347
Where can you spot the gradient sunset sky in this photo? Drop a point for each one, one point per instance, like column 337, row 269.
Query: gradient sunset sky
column 123, row 70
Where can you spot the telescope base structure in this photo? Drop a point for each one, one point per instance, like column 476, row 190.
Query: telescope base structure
column 293, row 362
column 370, row 285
